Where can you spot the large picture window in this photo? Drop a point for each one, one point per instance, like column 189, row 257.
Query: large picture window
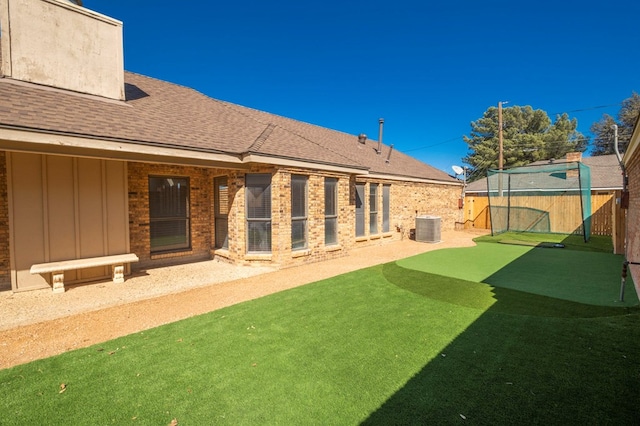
column 373, row 209
column 330, row 211
column 221, row 212
column 169, row 213
column 298, row 212
column 258, row 202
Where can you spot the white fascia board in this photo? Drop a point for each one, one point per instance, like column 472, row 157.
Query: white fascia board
column 276, row 161
column 59, row 144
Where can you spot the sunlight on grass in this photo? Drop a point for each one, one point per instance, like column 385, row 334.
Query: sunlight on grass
column 578, row 276
column 467, row 263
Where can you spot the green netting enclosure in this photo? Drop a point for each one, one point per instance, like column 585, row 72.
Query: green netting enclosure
column 546, row 198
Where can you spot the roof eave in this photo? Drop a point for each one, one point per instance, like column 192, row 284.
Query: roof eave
column 46, row 142
column 375, row 175
column 293, row 162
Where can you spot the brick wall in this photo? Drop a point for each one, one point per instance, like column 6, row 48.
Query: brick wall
column 408, row 199
column 633, row 212
column 281, row 214
column 5, row 267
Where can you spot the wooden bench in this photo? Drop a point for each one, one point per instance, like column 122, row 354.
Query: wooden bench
column 57, row 269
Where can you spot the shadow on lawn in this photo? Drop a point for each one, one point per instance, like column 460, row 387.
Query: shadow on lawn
column 527, row 359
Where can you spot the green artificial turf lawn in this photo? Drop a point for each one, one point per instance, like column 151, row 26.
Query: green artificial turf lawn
column 383, row 345
column 598, row 243
column 579, row 276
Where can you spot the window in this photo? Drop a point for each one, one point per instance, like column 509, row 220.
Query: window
column 386, row 197
column 221, row 212
column 373, row 209
column 258, row 194
column 330, row 211
column 169, row 213
column 360, row 209
column 298, row 212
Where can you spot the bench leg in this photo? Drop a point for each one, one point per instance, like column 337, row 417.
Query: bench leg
column 58, row 282
column 118, row 274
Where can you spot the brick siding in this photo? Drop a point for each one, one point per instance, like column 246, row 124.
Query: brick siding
column 633, row 212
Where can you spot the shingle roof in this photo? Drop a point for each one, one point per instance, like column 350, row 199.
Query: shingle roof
column 604, row 169
column 165, row 114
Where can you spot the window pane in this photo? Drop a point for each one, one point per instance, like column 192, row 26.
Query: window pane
column 331, row 230
column 359, row 209
column 330, row 196
column 222, row 234
column 298, row 234
column 221, row 196
column 168, row 197
column 298, row 212
column 258, row 196
column 258, row 201
column 373, row 198
column 330, row 211
column 221, row 208
column 298, row 196
column 169, row 234
column 169, row 213
column 373, row 223
column 373, row 209
column 259, row 236
column 386, row 194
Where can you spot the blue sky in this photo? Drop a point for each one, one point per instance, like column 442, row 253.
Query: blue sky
column 428, row 68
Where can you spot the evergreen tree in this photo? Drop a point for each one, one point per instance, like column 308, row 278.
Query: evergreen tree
column 603, row 132
column 528, row 135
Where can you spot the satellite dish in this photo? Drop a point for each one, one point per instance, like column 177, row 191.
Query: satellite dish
column 457, row 170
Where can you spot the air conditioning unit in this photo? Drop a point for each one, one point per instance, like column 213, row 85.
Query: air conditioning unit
column 428, row 229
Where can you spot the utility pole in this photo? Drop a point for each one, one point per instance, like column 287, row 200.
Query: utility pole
column 500, row 157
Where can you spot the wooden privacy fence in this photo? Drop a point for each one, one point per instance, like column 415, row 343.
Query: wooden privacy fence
column 607, row 218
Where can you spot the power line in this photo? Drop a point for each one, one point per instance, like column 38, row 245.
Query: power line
column 588, row 109
column 435, row 144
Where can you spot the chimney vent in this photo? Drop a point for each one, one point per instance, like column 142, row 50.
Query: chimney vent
column 574, row 156
column 381, row 122
column 362, row 138
column 389, row 154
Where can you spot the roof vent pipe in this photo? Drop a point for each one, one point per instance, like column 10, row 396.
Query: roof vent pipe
column 381, row 121
column 362, row 138
column 389, row 154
